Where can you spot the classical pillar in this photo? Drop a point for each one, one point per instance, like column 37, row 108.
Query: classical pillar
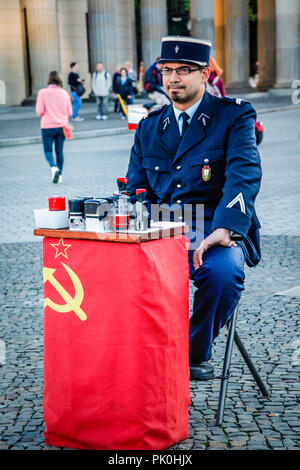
column 11, row 52
column 43, row 40
column 154, row 26
column 287, row 42
column 236, row 44
column 202, row 13
column 111, row 32
column 266, row 43
column 73, row 38
column 220, row 34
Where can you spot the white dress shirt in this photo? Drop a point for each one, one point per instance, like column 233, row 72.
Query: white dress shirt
column 190, row 111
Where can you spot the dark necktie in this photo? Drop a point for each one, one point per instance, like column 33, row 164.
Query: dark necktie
column 184, row 117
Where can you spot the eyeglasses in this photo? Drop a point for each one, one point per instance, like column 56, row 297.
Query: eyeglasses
column 179, row 70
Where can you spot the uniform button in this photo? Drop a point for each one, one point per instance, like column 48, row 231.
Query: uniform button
column 178, row 186
column 179, row 201
column 178, row 167
column 157, row 168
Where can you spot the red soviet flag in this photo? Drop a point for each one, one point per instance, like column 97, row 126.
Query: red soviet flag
column 116, row 344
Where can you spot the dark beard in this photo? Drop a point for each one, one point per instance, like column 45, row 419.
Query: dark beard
column 181, row 100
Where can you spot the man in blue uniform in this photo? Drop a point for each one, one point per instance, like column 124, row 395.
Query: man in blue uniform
column 201, row 150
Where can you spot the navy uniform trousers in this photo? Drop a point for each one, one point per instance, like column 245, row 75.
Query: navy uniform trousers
column 219, row 282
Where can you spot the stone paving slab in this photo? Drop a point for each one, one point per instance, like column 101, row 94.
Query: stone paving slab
column 267, row 324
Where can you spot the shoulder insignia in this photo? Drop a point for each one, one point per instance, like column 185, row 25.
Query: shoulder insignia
column 229, row 99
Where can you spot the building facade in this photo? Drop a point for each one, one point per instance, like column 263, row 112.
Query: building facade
column 38, row 36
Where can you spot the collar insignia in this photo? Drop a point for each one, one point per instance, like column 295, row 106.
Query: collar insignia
column 165, row 123
column 203, row 118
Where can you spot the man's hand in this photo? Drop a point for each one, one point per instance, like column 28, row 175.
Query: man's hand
column 221, row 236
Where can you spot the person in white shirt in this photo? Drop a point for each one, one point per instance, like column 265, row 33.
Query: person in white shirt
column 131, row 74
column 101, row 85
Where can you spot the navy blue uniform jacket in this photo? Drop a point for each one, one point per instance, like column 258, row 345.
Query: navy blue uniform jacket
column 222, row 130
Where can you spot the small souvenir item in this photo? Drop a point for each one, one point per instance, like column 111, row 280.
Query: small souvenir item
column 206, row 171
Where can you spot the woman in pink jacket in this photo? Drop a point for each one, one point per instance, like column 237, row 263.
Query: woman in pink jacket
column 54, row 106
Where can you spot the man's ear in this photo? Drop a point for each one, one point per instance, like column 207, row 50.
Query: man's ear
column 205, row 74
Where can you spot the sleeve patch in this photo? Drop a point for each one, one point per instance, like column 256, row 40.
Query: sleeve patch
column 238, row 200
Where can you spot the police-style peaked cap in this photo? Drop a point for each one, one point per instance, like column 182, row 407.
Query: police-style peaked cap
column 185, row 49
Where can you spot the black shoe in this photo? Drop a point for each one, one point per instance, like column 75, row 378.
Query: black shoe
column 202, row 371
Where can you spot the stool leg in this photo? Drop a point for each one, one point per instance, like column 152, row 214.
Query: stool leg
column 250, row 365
column 226, row 368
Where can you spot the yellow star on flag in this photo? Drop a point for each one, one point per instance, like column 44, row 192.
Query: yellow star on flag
column 61, row 248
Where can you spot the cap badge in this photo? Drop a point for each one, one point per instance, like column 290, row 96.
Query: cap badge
column 176, row 49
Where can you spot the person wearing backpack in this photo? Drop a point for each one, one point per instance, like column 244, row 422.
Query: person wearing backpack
column 101, row 85
column 153, row 84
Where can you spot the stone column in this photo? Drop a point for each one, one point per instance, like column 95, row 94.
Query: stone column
column 236, row 44
column 73, row 38
column 220, row 35
column 202, row 13
column 43, row 40
column 287, row 42
column 266, row 43
column 111, row 32
column 11, row 52
column 154, row 26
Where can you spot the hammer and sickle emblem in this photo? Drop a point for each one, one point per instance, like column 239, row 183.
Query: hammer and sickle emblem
column 71, row 303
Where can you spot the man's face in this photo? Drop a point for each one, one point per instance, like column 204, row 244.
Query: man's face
column 100, row 67
column 185, row 88
column 76, row 68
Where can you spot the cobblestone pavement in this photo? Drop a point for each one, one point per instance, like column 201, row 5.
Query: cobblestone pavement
column 268, row 323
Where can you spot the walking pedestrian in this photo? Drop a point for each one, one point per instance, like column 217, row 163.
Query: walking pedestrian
column 116, row 76
column 124, row 88
column 54, row 107
column 131, row 74
column 101, row 85
column 77, row 90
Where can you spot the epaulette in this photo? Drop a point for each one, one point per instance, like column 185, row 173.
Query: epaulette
column 239, row 101
column 156, row 111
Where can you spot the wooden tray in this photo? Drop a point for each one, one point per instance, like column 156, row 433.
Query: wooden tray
column 154, row 233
